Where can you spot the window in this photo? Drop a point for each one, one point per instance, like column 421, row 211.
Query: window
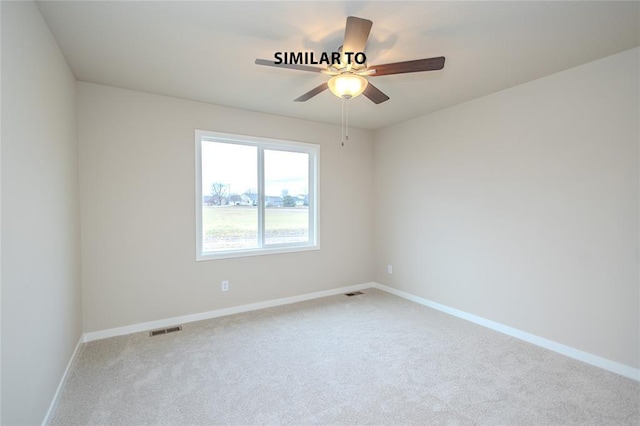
column 254, row 196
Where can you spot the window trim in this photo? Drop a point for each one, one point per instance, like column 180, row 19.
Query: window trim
column 270, row 144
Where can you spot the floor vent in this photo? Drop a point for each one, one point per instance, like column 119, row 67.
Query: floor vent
column 165, row 331
column 355, row 293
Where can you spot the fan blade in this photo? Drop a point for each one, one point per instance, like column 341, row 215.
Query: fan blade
column 430, row 64
column 289, row 66
column 356, row 34
column 373, row 93
column 311, row 93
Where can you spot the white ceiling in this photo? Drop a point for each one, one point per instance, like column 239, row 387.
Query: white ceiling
column 204, row 51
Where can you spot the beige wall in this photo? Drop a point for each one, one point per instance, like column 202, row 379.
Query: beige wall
column 138, row 215
column 41, row 313
column 522, row 207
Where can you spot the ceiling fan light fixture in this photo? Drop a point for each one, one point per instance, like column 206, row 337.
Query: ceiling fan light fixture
column 347, row 85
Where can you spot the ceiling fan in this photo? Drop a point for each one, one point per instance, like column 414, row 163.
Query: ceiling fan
column 348, row 76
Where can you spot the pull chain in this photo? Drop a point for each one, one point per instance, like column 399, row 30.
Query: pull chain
column 346, row 113
column 345, row 120
column 342, row 124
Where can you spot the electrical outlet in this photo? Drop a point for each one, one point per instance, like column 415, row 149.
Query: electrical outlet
column 225, row 285
column 389, row 269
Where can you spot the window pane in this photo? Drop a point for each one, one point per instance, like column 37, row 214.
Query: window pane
column 229, row 196
column 286, row 211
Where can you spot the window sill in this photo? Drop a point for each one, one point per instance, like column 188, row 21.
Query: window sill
column 253, row 252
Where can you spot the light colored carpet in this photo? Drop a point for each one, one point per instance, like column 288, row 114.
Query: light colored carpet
column 368, row 359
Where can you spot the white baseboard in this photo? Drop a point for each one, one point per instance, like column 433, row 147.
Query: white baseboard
column 151, row 325
column 63, row 380
column 605, row 364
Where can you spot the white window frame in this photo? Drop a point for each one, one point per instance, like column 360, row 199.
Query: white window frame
column 270, row 144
